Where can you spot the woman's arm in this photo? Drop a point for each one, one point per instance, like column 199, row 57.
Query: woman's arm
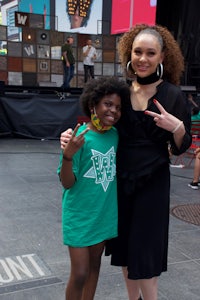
column 168, row 122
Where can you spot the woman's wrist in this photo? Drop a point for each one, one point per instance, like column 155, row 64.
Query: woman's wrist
column 177, row 127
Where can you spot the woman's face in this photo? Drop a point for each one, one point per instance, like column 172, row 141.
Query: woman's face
column 146, row 54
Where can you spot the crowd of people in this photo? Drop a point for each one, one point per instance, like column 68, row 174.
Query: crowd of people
column 155, row 116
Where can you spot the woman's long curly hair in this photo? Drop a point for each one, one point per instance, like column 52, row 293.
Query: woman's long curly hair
column 173, row 63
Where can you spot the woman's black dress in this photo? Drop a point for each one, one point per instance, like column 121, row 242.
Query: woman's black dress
column 144, row 185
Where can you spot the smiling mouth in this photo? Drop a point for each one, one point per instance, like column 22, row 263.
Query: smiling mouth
column 142, row 68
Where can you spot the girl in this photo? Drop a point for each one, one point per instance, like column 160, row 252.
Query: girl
column 88, row 174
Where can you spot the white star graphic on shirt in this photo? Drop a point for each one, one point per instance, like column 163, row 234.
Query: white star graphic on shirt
column 104, row 168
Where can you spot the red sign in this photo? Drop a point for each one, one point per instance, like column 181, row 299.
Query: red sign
column 127, row 13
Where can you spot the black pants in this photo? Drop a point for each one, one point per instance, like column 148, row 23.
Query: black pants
column 88, row 72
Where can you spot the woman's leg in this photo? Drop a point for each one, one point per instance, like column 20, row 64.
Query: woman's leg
column 95, row 253
column 132, row 286
column 79, row 273
column 149, row 288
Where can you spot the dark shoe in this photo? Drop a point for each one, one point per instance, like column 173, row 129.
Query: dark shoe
column 194, row 185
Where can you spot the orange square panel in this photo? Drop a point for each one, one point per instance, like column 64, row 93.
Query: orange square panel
column 29, row 65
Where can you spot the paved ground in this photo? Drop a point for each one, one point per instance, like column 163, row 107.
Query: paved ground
column 34, row 265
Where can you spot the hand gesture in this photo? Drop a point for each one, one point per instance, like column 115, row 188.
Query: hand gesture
column 65, row 137
column 74, row 143
column 164, row 120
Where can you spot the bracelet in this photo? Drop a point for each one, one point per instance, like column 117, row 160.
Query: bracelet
column 177, row 127
column 66, row 158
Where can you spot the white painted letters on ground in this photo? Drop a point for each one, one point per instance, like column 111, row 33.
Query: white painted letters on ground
column 24, row 267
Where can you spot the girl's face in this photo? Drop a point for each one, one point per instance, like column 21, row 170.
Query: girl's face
column 108, row 110
column 146, row 54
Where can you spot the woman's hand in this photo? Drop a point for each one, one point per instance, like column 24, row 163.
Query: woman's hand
column 165, row 120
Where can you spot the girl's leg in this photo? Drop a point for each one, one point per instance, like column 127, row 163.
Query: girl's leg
column 132, row 286
column 95, row 253
column 79, row 273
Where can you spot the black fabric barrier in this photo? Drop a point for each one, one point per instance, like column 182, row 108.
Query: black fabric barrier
column 37, row 116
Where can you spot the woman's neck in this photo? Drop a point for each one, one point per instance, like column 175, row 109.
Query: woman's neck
column 152, row 78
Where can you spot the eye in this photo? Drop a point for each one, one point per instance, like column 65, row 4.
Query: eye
column 108, row 104
column 137, row 52
column 151, row 53
column 118, row 108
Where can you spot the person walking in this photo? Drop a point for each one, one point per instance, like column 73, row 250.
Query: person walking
column 89, row 56
column 87, row 172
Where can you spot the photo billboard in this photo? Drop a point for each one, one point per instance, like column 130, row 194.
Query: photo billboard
column 74, row 17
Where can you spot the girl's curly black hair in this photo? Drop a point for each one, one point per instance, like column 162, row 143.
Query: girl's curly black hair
column 96, row 89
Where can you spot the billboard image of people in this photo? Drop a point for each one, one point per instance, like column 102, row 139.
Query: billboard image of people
column 82, row 16
column 134, row 11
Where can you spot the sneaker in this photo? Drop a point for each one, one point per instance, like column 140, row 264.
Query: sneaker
column 198, row 183
column 194, row 185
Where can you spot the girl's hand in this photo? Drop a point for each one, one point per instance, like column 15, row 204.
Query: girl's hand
column 165, row 120
column 65, row 137
column 74, row 143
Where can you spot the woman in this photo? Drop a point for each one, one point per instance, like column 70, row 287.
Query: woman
column 155, row 116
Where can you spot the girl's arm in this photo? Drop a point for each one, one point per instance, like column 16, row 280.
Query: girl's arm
column 66, row 173
column 72, row 146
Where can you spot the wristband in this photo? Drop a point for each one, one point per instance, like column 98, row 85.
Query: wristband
column 177, row 127
column 66, row 158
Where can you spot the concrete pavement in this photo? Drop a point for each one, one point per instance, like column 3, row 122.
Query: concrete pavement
column 34, row 265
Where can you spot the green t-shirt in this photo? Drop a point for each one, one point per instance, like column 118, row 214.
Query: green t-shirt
column 89, row 207
column 68, row 48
